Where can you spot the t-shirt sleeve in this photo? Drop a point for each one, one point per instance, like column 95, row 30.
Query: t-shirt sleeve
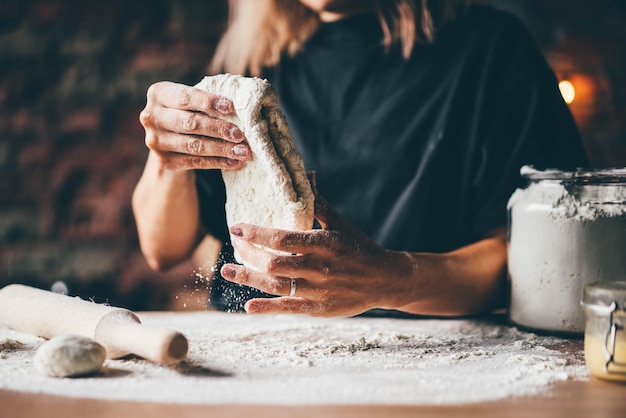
column 525, row 121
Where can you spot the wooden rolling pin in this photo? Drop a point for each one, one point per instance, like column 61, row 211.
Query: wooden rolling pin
column 47, row 314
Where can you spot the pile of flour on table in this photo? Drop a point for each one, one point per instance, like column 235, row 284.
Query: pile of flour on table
column 282, row 360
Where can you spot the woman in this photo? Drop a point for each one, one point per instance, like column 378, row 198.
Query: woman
column 415, row 116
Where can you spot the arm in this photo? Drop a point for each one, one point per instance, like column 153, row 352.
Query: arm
column 184, row 132
column 465, row 281
column 165, row 205
column 340, row 272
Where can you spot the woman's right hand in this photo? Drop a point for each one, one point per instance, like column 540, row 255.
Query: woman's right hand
column 184, row 129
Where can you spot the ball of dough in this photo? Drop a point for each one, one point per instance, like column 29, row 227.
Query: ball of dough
column 69, row 355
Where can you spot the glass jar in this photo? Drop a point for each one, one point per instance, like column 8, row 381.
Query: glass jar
column 566, row 229
column 605, row 330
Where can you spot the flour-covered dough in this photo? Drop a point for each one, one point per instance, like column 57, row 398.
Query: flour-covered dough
column 271, row 189
column 69, row 355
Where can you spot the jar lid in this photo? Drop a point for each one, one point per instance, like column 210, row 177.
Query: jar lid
column 580, row 175
column 605, row 294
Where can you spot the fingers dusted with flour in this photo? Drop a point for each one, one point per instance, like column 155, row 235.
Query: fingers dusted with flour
column 180, row 96
column 274, row 285
column 293, row 305
column 335, row 273
column 186, row 129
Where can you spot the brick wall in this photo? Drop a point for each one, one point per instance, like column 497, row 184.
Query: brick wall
column 73, row 77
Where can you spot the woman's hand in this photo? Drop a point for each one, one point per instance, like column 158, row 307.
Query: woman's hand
column 184, row 130
column 338, row 271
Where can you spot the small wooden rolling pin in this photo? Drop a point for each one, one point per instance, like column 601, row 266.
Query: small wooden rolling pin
column 47, row 314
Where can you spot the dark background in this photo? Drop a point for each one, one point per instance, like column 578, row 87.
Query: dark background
column 73, row 77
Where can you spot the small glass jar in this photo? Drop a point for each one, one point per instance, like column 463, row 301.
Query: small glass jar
column 605, row 329
column 566, row 229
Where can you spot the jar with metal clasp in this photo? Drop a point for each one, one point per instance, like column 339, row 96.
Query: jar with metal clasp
column 605, row 329
column 566, row 229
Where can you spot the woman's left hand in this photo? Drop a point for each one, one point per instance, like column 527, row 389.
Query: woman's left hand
column 338, row 271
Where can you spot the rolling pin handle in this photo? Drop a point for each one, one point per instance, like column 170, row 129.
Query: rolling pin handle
column 122, row 336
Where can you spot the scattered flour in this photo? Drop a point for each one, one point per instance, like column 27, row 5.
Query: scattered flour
column 244, row 359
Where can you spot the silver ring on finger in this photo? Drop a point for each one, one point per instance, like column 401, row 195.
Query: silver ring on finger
column 292, row 291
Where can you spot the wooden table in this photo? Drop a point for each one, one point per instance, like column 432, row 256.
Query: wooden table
column 592, row 399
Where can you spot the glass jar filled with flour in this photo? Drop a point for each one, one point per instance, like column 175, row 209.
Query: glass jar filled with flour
column 566, row 230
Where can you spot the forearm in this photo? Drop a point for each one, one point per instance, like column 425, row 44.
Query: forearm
column 165, row 205
column 466, row 281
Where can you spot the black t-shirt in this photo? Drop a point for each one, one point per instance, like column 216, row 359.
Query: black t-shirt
column 423, row 153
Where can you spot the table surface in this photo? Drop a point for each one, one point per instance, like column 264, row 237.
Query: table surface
column 592, row 399
column 572, row 398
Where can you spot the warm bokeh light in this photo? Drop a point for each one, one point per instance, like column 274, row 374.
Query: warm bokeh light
column 582, row 91
column 567, row 91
